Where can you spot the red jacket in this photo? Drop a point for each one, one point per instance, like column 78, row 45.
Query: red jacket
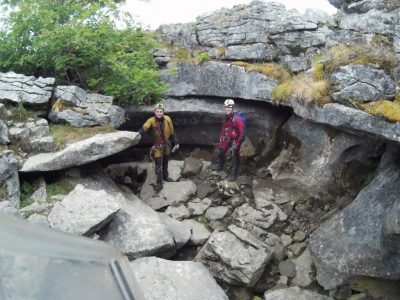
column 232, row 131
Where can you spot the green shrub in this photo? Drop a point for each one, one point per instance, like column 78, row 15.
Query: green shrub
column 81, row 43
column 27, row 190
column 203, row 57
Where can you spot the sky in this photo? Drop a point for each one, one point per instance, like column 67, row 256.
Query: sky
column 153, row 13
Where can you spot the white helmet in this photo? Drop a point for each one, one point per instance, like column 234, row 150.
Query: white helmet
column 229, row 103
column 159, row 106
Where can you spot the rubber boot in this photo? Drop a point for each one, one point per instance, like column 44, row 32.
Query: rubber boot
column 219, row 164
column 165, row 169
column 159, row 184
column 235, row 165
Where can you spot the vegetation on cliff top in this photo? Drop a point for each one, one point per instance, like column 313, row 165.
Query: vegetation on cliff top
column 80, row 43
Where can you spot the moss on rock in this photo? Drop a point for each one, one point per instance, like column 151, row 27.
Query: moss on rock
column 390, row 110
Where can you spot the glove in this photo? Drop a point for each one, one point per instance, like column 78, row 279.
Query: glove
column 176, row 147
column 141, row 131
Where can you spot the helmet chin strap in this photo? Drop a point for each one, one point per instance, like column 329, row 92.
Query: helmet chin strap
column 227, row 116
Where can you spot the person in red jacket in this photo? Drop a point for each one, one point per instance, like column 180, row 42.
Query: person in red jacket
column 230, row 139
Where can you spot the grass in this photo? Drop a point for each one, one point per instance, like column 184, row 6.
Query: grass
column 64, row 134
column 61, row 187
column 397, row 98
column 306, row 88
column 182, row 55
column 3, row 192
column 390, row 110
column 19, row 113
column 274, row 70
column 378, row 52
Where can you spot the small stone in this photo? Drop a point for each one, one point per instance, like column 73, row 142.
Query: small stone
column 287, row 268
column 299, row 236
column 297, row 248
column 286, row 240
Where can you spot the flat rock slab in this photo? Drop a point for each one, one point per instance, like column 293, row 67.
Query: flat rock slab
column 172, row 192
column 161, row 279
column 138, row 231
column 84, row 211
column 82, row 152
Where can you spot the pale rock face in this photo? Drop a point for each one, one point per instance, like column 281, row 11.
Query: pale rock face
column 85, row 151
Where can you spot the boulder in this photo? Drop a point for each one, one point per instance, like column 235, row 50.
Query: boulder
column 200, row 233
column 191, row 167
column 232, row 260
column 294, row 293
column 82, row 152
column 361, row 83
column 84, row 211
column 32, row 136
column 347, row 119
column 9, row 180
column 175, row 280
column 198, row 206
column 4, row 140
column 218, row 79
column 31, row 91
column 138, row 231
column 73, row 106
column 355, row 242
column 323, row 161
column 180, row 231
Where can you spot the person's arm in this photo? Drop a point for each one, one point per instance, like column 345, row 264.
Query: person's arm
column 173, row 138
column 240, row 128
column 146, row 126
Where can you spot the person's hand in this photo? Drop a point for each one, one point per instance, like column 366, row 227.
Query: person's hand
column 176, row 147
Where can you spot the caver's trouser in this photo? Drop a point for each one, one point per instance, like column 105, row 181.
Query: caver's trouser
column 219, row 165
column 161, row 157
column 235, row 164
column 161, row 169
